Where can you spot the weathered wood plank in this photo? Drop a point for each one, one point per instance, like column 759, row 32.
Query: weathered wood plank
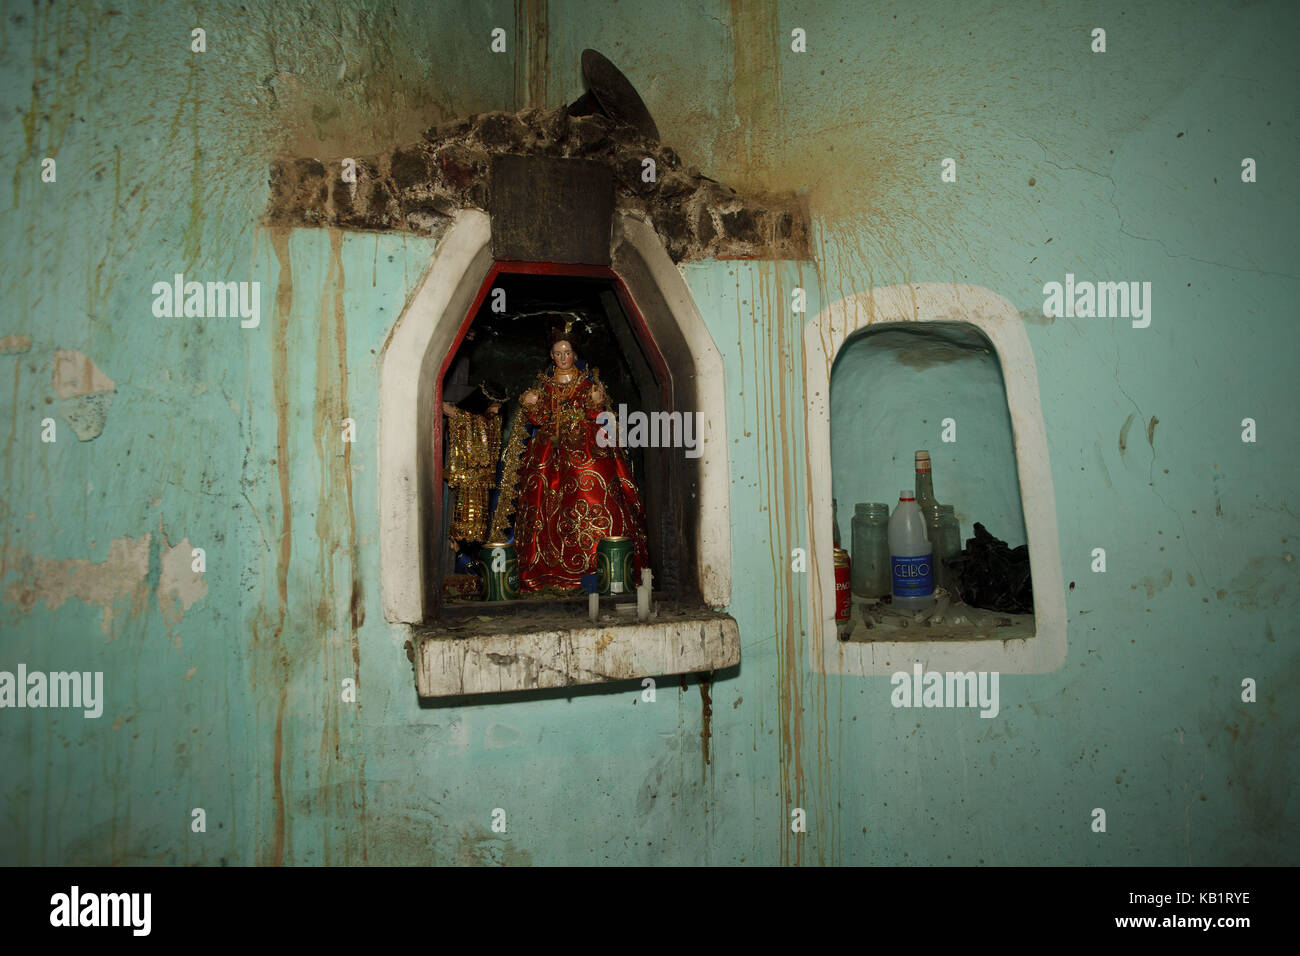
column 450, row 665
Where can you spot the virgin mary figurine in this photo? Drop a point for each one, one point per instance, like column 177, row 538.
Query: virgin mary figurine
column 572, row 491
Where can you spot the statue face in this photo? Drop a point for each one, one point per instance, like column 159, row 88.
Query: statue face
column 562, row 355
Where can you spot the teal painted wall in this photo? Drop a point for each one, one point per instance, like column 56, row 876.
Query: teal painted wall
column 229, row 700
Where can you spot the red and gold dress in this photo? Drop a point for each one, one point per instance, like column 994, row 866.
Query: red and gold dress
column 572, row 492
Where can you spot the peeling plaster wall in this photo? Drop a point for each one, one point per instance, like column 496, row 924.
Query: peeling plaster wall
column 224, row 438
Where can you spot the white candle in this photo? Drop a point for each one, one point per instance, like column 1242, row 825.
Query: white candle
column 593, row 605
column 643, row 596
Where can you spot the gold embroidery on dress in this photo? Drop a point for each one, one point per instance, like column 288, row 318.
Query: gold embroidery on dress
column 473, row 445
column 511, row 462
column 560, row 537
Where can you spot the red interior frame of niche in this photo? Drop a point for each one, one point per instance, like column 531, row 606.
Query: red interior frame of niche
column 639, row 328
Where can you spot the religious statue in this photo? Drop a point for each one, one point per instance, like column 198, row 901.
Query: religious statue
column 473, row 447
column 571, row 491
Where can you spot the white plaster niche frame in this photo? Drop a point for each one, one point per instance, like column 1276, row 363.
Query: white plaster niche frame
column 408, row 371
column 999, row 320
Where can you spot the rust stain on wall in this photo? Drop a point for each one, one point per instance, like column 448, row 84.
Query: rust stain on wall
column 280, row 379
column 853, row 159
column 277, row 846
column 756, row 50
column 706, row 725
column 272, row 665
column 336, row 607
column 757, row 47
column 777, row 398
column 1123, row 434
column 1153, row 585
column 1263, row 581
column 374, row 94
column 8, row 464
column 61, row 67
column 533, row 65
column 825, row 770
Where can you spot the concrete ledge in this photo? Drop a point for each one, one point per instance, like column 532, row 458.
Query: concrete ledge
column 449, row 663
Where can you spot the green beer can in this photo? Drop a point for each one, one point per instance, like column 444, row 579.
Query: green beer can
column 614, row 566
column 500, row 571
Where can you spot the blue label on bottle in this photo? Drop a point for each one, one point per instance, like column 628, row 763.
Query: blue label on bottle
column 913, row 577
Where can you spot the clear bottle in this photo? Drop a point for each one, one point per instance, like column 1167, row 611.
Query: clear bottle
column 910, row 556
column 945, row 535
column 949, row 532
column 950, row 546
column 870, row 533
column 924, row 483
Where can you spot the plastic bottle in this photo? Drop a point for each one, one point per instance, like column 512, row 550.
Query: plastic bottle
column 910, row 556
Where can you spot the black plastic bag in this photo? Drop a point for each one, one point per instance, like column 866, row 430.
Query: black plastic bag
column 993, row 576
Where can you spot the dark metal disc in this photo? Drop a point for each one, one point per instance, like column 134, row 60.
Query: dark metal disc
column 614, row 93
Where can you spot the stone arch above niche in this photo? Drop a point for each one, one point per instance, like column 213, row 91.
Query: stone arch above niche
column 993, row 315
column 421, row 187
column 427, row 329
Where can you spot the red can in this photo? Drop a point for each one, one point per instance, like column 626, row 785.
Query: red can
column 843, row 596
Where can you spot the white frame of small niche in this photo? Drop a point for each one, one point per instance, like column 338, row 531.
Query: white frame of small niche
column 824, row 336
column 408, row 372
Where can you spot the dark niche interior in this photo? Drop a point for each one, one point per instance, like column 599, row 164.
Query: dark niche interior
column 508, row 348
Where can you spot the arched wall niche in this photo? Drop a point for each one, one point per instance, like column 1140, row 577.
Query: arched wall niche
column 412, row 364
column 998, row 321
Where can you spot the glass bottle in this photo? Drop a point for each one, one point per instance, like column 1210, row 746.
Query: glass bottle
column 835, row 523
column 924, row 483
column 949, row 544
column 932, row 513
column 949, row 532
column 870, row 532
column 944, row 533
